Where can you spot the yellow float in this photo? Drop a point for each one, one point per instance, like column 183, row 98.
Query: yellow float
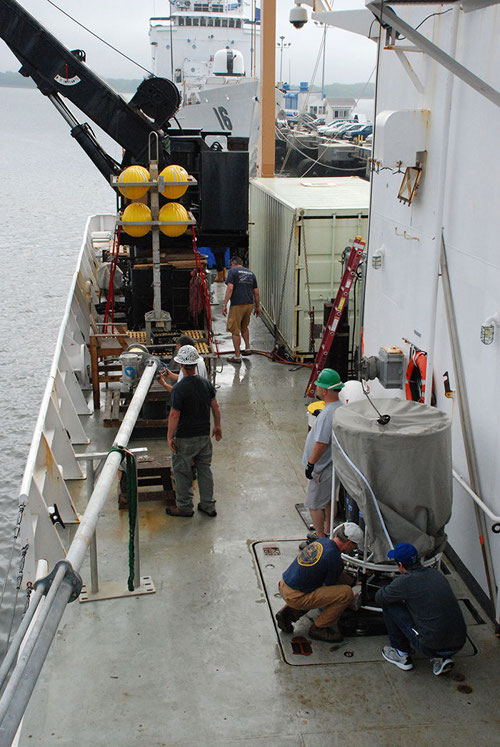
column 137, row 211
column 133, row 174
column 173, row 211
column 175, row 174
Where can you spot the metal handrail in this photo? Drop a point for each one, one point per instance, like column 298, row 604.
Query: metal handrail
column 60, row 586
column 475, row 497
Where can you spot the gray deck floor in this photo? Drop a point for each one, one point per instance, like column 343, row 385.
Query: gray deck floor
column 199, row 662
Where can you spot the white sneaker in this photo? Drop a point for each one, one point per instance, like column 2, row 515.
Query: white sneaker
column 391, row 655
column 441, row 665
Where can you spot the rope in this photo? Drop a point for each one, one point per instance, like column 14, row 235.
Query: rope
column 206, row 299
column 100, row 38
column 131, row 473
column 110, row 301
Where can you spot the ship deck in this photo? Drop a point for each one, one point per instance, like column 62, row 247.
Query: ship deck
column 200, row 661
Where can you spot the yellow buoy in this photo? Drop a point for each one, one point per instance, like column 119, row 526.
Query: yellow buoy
column 137, row 211
column 133, row 174
column 173, row 211
column 175, row 174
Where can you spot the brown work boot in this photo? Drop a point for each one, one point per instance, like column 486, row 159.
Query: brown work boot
column 325, row 634
column 284, row 619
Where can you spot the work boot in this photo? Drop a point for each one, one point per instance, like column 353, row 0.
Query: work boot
column 284, row 619
column 325, row 634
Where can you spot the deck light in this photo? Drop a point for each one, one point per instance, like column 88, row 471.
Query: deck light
column 378, row 259
column 488, row 328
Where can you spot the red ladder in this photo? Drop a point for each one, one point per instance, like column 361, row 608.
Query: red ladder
column 358, row 247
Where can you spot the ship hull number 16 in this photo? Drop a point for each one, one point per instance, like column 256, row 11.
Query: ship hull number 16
column 223, row 117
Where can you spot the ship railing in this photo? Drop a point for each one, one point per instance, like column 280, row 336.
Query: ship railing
column 38, row 628
column 51, row 460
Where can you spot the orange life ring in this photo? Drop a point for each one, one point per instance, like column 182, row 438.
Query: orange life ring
column 416, row 374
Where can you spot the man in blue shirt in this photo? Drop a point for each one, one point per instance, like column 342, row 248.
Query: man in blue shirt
column 316, row 578
column 243, row 293
column 317, row 456
column 420, row 610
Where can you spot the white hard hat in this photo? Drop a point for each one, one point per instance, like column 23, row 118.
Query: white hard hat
column 352, row 531
column 187, row 355
column 352, row 392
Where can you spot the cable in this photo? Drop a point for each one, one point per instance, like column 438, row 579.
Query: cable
column 100, row 38
column 325, row 165
column 441, row 13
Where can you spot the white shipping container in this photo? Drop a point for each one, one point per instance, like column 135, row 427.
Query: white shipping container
column 299, row 229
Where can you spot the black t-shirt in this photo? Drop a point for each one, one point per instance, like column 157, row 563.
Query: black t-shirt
column 192, row 396
column 243, row 282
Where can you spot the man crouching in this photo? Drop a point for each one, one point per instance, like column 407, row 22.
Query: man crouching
column 316, row 578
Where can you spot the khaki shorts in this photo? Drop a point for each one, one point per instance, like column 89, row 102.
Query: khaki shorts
column 239, row 318
column 319, row 490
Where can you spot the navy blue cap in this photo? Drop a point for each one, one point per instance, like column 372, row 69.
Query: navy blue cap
column 404, row 553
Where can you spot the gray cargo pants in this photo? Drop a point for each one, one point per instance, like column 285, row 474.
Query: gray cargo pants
column 197, row 450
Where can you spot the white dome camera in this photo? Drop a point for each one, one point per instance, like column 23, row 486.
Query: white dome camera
column 298, row 16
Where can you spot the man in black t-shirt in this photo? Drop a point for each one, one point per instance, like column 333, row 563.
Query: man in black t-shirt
column 243, row 293
column 191, row 401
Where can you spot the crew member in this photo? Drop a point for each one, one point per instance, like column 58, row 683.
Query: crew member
column 420, row 611
column 243, row 293
column 317, row 456
column 191, row 401
column 201, row 369
column 316, row 578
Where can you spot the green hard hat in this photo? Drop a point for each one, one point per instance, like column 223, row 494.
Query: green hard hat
column 329, row 379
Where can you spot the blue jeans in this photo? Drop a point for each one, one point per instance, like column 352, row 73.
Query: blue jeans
column 402, row 632
column 198, row 451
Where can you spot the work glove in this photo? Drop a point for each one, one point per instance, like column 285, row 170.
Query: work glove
column 309, row 471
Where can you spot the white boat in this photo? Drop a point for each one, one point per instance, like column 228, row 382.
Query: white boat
column 210, row 50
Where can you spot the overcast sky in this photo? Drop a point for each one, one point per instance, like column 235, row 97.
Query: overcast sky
column 125, row 25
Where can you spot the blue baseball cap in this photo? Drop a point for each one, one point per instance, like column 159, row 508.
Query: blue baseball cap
column 404, row 553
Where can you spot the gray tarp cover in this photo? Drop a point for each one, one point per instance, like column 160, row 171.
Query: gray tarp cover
column 408, row 466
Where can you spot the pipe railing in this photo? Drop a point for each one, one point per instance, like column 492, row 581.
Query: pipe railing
column 63, row 584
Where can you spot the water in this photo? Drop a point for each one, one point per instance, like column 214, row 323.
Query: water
column 49, row 187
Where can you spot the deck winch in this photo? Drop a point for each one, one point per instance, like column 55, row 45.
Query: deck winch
column 133, row 361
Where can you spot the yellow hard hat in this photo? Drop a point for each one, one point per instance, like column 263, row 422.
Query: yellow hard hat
column 175, row 174
column 133, row 174
column 137, row 211
column 173, row 211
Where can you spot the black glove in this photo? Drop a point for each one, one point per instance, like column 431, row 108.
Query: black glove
column 309, row 471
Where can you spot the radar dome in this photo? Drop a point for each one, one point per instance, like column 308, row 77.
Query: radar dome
column 175, row 174
column 228, row 62
column 173, row 211
column 133, row 174
column 137, row 211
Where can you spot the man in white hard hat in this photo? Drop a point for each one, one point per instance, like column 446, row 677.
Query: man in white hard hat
column 201, row 369
column 191, row 401
column 316, row 578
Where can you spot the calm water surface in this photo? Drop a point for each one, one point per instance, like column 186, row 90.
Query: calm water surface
column 49, row 187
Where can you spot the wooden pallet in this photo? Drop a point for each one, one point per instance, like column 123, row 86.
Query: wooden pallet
column 152, row 471
column 115, row 409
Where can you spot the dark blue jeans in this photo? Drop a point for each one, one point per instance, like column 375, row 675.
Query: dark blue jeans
column 403, row 634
